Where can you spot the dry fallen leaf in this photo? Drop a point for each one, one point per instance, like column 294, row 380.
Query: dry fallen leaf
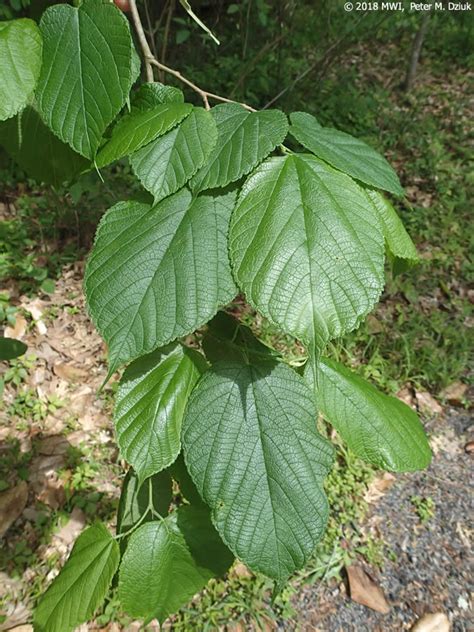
column 36, row 307
column 69, row 372
column 12, row 503
column 378, row 487
column 18, row 331
column 67, row 534
column 406, row 396
column 454, row 393
column 433, row 622
column 427, row 403
column 364, row 590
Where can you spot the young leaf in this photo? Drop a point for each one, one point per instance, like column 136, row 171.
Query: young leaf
column 139, row 128
column 244, row 140
column 87, row 71
column 169, row 561
column 135, row 498
column 166, row 164
column 307, row 248
column 10, row 348
column 151, row 94
column 399, row 244
column 20, row 52
column 81, row 586
column 344, row 152
column 380, row 429
column 158, row 273
column 150, row 405
column 38, row 151
column 252, row 448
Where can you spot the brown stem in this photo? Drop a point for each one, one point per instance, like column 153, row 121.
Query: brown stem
column 147, row 54
column 151, row 61
column 416, row 50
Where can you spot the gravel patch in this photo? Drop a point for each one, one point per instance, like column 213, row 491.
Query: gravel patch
column 431, row 570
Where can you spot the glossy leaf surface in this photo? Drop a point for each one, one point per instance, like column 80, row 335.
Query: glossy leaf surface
column 150, row 404
column 380, row 429
column 344, row 152
column 166, row 164
column 244, row 140
column 82, row 584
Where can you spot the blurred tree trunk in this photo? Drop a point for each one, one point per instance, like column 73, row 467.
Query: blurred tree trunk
column 415, row 52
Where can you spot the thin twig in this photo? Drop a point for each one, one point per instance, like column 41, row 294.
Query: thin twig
column 204, row 94
column 314, row 65
column 147, row 54
column 150, row 61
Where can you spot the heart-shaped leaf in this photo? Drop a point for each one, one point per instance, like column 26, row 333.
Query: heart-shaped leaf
column 252, row 448
column 169, row 561
column 86, row 73
column 307, row 248
column 158, row 273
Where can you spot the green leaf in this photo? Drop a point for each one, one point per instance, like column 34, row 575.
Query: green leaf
column 158, row 273
column 135, row 498
column 227, row 339
column 252, row 448
column 87, row 71
column 150, row 405
column 81, row 586
column 10, row 348
column 244, row 140
column 344, row 152
column 168, row 562
column 151, row 94
column 399, row 244
column 380, row 429
column 307, row 248
column 38, row 151
column 139, row 128
column 20, row 52
column 166, row 164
